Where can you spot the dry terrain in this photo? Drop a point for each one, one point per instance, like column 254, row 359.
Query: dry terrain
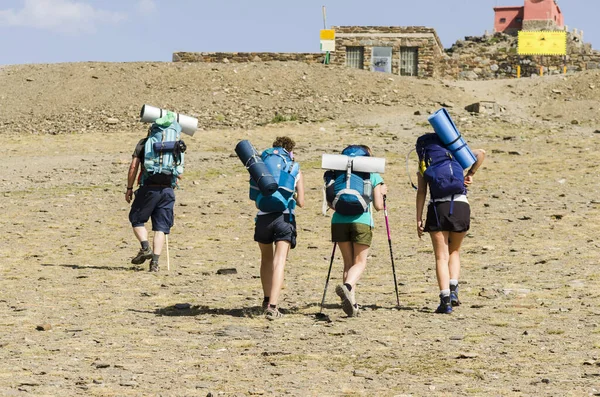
column 76, row 319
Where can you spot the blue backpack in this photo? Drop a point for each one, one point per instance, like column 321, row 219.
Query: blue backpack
column 285, row 171
column 349, row 192
column 439, row 168
column 164, row 152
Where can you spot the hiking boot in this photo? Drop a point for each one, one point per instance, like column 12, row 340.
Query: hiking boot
column 355, row 310
column 153, row 266
column 347, row 298
column 142, row 256
column 445, row 307
column 454, row 296
column 272, row 313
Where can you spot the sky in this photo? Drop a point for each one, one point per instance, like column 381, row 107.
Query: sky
column 51, row 31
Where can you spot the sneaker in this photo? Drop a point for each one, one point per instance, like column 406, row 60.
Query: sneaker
column 347, row 298
column 272, row 313
column 454, row 296
column 142, row 256
column 153, row 266
column 355, row 310
column 445, row 307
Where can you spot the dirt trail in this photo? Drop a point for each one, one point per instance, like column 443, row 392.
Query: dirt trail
column 527, row 325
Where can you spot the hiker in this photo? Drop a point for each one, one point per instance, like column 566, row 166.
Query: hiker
column 448, row 212
column 275, row 230
column 159, row 158
column 352, row 225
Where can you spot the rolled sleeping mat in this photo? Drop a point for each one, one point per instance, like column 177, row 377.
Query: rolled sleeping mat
column 368, row 164
column 445, row 128
column 339, row 162
column 256, row 167
column 188, row 124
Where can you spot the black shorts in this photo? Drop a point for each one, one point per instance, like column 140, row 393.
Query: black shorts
column 156, row 203
column 439, row 218
column 275, row 227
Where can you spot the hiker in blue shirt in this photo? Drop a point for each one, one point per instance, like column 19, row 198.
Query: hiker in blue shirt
column 354, row 233
column 275, row 232
column 447, row 222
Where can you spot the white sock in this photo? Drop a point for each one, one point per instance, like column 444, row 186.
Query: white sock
column 453, row 282
column 445, row 292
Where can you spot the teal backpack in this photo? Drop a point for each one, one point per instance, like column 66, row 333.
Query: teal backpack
column 284, row 170
column 164, row 152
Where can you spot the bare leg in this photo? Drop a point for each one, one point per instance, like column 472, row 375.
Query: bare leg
column 454, row 242
column 359, row 263
column 141, row 233
column 266, row 267
column 281, row 251
column 158, row 242
column 347, row 255
column 439, row 241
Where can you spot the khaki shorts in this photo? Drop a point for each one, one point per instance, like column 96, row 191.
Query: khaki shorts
column 353, row 232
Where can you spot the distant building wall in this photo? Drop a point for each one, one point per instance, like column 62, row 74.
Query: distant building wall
column 542, row 14
column 243, row 57
column 411, row 50
column 508, row 19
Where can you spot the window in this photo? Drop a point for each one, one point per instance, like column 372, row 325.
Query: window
column 502, row 20
column 519, row 20
column 355, row 57
column 381, row 60
column 409, row 61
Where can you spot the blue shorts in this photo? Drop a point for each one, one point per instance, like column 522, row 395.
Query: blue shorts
column 154, row 202
column 275, row 227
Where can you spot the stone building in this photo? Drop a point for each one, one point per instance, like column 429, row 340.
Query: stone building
column 533, row 15
column 407, row 51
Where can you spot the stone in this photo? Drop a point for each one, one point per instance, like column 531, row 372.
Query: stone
column 44, row 327
column 112, row 121
column 231, row 270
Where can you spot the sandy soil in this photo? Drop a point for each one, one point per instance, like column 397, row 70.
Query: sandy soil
column 78, row 319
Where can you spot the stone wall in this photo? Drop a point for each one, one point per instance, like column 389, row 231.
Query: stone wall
column 243, row 57
column 490, row 57
column 430, row 49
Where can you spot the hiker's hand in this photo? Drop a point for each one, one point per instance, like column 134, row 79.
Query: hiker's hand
column 420, row 229
column 468, row 180
column 128, row 195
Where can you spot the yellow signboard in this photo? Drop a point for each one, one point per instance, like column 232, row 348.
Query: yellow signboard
column 542, row 43
column 327, row 34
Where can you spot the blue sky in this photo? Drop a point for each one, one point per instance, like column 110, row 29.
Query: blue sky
column 49, row 31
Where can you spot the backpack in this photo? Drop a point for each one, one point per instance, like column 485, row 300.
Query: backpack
column 439, row 167
column 349, row 192
column 164, row 152
column 284, row 170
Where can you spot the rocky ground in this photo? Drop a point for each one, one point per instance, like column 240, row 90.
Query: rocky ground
column 78, row 319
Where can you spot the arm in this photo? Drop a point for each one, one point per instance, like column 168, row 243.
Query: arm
column 420, row 203
column 131, row 175
column 378, row 193
column 480, row 156
column 300, row 190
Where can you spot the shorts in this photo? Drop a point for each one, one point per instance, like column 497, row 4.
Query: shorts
column 458, row 222
column 154, row 202
column 274, row 227
column 359, row 233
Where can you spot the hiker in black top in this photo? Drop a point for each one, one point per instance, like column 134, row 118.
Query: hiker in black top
column 154, row 200
column 447, row 222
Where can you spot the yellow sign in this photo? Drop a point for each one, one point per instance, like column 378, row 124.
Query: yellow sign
column 327, row 34
column 542, row 43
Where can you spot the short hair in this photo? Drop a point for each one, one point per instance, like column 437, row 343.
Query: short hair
column 285, row 142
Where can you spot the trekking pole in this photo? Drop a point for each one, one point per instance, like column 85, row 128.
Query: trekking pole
column 328, row 274
column 167, row 242
column 387, row 226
